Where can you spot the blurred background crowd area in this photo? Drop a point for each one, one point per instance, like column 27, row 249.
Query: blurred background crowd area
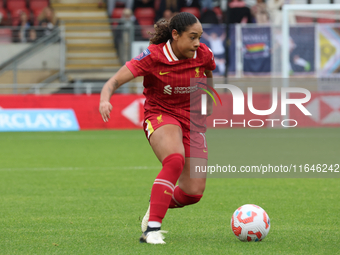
column 35, row 18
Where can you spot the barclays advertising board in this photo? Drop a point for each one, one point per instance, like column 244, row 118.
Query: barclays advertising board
column 38, row 120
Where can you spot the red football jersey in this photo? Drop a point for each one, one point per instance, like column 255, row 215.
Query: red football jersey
column 167, row 85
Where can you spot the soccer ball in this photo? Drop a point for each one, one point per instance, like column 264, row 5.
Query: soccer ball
column 250, row 223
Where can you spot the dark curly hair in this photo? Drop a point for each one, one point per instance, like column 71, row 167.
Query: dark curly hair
column 164, row 28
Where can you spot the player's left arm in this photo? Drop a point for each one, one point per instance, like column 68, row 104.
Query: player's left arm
column 209, row 75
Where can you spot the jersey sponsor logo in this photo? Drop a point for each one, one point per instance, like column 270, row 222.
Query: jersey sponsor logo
column 161, row 73
column 185, row 90
column 159, row 119
column 143, row 55
column 179, row 90
column 167, row 90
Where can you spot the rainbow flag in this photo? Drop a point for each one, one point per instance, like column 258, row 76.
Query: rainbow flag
column 255, row 47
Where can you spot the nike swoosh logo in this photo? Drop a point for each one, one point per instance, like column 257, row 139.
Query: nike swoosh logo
column 204, row 150
column 160, row 73
column 168, row 193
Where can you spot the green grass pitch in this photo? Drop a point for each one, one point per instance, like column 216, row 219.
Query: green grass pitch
column 86, row 193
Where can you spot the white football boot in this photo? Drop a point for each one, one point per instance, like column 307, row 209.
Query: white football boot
column 153, row 237
column 145, row 220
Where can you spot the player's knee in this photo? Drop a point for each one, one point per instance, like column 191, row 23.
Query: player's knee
column 193, row 199
column 196, row 188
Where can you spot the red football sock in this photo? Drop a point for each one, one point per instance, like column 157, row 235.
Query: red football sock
column 180, row 198
column 163, row 186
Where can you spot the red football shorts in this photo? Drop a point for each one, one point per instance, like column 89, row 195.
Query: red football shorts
column 195, row 144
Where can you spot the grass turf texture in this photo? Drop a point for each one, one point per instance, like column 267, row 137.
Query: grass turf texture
column 86, row 193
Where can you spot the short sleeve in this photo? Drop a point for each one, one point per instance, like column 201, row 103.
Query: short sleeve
column 142, row 64
column 209, row 59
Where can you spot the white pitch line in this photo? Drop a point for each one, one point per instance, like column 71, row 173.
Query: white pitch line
column 80, row 168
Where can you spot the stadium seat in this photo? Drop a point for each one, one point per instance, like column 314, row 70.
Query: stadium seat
column 116, row 14
column 145, row 16
column 1, row 4
column 321, row 20
column 3, row 13
column 218, row 12
column 5, row 35
column 193, row 10
column 13, row 5
column 300, row 19
column 326, row 19
column 37, row 5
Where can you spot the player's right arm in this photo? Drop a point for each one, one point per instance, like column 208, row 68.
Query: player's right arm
column 138, row 66
column 124, row 75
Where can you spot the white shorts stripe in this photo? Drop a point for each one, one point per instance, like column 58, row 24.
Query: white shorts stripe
column 205, row 143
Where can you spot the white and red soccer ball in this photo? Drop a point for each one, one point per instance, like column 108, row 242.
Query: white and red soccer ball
column 250, row 223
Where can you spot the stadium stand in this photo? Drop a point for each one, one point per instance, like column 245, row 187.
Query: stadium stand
column 13, row 5
column 3, row 15
column 145, row 16
column 5, row 35
column 15, row 15
column 193, row 10
column 117, row 14
column 37, row 6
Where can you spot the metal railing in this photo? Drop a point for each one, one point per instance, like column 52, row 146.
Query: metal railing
column 12, row 64
column 130, row 40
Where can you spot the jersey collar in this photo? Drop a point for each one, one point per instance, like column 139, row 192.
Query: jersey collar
column 169, row 54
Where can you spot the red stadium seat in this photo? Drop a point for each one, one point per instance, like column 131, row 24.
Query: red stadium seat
column 304, row 19
column 145, row 14
column 116, row 14
column 13, row 5
column 38, row 5
column 325, row 19
column 15, row 15
column 146, row 22
column 37, row 12
column 193, row 10
column 3, row 13
column 218, row 12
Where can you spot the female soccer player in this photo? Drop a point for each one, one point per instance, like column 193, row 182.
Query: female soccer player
column 175, row 131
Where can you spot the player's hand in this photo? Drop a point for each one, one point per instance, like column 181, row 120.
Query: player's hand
column 105, row 108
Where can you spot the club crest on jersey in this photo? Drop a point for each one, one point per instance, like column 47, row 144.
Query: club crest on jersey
column 143, row 55
column 197, row 70
column 159, row 119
